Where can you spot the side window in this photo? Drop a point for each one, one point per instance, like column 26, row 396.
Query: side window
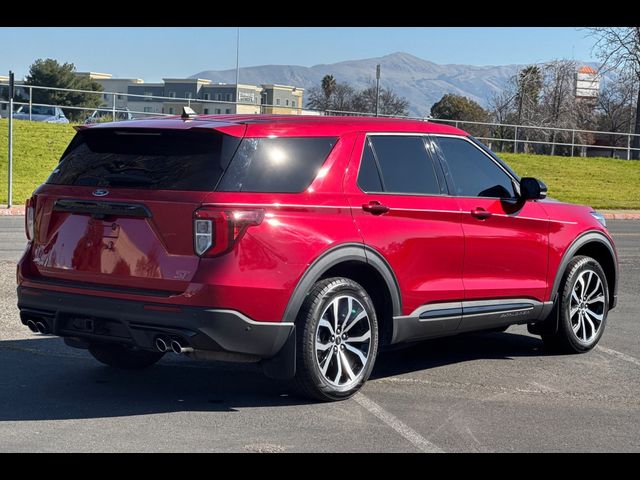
column 405, row 165
column 474, row 173
column 368, row 176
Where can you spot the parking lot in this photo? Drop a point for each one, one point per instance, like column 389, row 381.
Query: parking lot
column 471, row 393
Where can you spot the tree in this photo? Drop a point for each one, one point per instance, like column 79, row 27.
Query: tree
column 50, row 73
column 389, row 103
column 529, row 85
column 618, row 48
column 457, row 107
column 328, row 85
column 615, row 110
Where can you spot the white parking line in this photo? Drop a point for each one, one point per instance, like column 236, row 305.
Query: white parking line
column 407, row 432
column 620, row 355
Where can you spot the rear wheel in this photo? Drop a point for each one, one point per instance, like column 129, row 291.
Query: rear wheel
column 120, row 356
column 583, row 307
column 338, row 340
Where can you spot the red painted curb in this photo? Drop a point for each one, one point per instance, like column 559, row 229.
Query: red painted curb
column 18, row 210
column 622, row 216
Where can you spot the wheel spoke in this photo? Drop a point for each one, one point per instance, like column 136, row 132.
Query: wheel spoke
column 576, row 327
column 591, row 325
column 596, row 290
column 589, row 280
column 582, row 286
column 362, row 338
column 584, row 329
column 348, row 315
column 326, row 324
column 347, row 366
column 599, row 298
column 323, row 347
column 334, row 309
column 325, row 363
column 339, row 372
column 357, row 351
column 574, row 296
column 360, row 316
column 597, row 316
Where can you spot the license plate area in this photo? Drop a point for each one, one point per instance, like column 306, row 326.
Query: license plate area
column 73, row 324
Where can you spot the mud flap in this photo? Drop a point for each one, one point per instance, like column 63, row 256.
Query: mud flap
column 549, row 325
column 283, row 365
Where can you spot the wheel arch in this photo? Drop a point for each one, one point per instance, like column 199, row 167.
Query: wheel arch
column 358, row 262
column 597, row 246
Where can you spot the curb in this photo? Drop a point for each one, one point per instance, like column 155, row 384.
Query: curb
column 611, row 215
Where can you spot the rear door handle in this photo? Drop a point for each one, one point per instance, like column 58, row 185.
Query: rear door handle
column 480, row 213
column 374, row 207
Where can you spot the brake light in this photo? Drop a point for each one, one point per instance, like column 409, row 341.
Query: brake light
column 29, row 218
column 215, row 231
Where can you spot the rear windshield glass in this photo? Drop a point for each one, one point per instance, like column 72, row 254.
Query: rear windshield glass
column 279, row 165
column 149, row 159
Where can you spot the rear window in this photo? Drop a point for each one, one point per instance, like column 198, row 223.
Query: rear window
column 278, row 165
column 149, row 159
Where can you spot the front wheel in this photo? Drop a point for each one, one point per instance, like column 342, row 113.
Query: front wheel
column 338, row 340
column 583, row 307
column 120, row 356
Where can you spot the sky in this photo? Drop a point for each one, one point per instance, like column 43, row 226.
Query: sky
column 153, row 53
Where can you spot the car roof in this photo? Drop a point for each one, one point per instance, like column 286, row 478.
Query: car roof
column 259, row 125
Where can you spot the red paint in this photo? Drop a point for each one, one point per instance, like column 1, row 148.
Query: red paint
column 438, row 250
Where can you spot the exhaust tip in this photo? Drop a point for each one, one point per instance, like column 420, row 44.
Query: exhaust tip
column 161, row 345
column 31, row 325
column 42, row 328
column 177, row 347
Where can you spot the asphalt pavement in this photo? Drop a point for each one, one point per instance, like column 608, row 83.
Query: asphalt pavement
column 472, row 393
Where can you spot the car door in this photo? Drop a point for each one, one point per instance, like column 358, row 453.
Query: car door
column 398, row 197
column 506, row 240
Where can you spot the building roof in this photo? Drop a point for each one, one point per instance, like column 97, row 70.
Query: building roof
column 95, row 75
column 187, row 80
column 587, row 69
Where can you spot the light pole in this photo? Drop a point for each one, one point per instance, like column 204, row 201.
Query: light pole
column 10, row 140
column 237, row 66
column 377, row 87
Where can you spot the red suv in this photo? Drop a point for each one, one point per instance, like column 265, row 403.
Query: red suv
column 303, row 243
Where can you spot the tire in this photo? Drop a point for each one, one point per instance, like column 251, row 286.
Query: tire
column 119, row 356
column 339, row 371
column 580, row 332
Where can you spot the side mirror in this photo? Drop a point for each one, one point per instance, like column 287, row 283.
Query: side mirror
column 532, row 189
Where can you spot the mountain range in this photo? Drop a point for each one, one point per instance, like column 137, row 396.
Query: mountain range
column 420, row 81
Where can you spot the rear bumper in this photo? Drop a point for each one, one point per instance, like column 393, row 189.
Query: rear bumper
column 139, row 323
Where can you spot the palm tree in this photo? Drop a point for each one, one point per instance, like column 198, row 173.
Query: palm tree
column 328, row 87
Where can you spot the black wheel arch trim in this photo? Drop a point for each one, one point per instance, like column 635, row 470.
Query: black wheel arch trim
column 583, row 239
column 335, row 255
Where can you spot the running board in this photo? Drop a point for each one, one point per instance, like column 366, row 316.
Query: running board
column 442, row 319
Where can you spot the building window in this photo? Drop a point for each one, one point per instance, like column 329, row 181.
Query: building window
column 105, row 96
column 277, row 101
column 227, row 97
column 172, row 94
column 120, row 97
column 206, row 96
column 219, row 96
column 148, row 95
column 171, row 111
column 228, row 110
column 217, row 110
column 293, row 103
column 148, row 110
column 287, row 102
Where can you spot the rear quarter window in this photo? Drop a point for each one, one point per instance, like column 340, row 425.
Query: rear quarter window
column 276, row 165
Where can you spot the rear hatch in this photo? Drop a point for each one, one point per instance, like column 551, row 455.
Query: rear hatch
column 117, row 211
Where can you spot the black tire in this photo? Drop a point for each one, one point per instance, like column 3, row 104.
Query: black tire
column 120, row 356
column 310, row 380
column 565, row 339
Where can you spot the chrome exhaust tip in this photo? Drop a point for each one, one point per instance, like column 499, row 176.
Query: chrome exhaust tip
column 161, row 345
column 42, row 328
column 32, row 326
column 177, row 347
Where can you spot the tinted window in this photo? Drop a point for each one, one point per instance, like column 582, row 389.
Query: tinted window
column 368, row 176
column 406, row 167
column 159, row 160
column 474, row 174
column 285, row 165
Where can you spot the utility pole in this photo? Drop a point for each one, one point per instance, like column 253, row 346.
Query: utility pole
column 237, row 67
column 377, row 87
column 10, row 143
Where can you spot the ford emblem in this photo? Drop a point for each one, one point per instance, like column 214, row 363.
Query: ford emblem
column 101, row 192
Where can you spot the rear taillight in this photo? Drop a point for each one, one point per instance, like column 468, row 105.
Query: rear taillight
column 215, row 231
column 29, row 218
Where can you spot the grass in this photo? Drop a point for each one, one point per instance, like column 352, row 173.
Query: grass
column 37, row 147
column 599, row 182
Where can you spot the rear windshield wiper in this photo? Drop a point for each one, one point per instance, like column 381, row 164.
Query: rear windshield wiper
column 128, row 179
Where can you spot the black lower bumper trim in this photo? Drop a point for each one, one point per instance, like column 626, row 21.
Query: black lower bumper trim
column 129, row 322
